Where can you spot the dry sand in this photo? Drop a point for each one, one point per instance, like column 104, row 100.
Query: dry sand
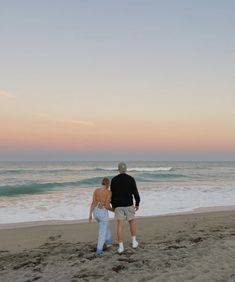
column 187, row 247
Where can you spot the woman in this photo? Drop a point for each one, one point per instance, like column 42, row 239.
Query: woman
column 99, row 207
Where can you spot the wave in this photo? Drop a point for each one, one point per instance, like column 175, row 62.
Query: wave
column 77, row 170
column 37, row 188
column 137, row 169
column 152, row 177
column 21, row 171
column 8, row 171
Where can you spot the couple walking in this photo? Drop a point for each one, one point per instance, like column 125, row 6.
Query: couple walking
column 118, row 200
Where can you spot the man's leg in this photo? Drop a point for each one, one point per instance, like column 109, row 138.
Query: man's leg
column 120, row 230
column 132, row 226
column 120, row 235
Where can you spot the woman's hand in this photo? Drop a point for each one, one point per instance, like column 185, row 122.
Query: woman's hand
column 90, row 219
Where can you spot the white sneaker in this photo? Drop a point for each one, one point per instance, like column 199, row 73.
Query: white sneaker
column 120, row 249
column 135, row 244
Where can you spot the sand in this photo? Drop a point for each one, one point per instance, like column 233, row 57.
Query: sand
column 186, row 247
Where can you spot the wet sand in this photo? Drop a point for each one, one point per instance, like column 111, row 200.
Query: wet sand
column 184, row 247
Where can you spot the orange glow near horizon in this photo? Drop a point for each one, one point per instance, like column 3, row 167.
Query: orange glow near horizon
column 116, row 135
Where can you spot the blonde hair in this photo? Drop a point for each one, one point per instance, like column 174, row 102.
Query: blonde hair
column 106, row 182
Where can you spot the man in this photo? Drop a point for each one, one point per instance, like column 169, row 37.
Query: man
column 123, row 188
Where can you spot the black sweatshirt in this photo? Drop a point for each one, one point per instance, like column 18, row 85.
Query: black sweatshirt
column 123, row 188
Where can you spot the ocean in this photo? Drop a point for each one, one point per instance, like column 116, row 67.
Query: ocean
column 41, row 191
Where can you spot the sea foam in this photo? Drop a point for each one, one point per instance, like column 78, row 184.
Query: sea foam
column 74, row 204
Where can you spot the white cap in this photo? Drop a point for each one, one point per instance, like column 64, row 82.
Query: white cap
column 122, row 167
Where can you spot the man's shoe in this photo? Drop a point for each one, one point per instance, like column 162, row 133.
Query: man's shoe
column 120, row 249
column 135, row 244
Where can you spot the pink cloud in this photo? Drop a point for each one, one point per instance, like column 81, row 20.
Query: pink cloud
column 4, row 93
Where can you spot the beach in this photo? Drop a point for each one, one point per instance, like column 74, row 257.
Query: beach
column 117, row 109
column 197, row 246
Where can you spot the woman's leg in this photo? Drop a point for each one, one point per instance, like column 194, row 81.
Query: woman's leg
column 108, row 237
column 101, row 236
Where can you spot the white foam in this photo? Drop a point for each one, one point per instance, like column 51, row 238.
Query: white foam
column 74, row 204
column 140, row 169
column 150, row 169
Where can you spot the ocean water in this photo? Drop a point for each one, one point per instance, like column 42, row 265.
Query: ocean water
column 41, row 191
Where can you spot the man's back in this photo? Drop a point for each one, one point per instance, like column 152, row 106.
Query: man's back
column 123, row 188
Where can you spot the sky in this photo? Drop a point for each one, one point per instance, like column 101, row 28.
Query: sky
column 117, row 80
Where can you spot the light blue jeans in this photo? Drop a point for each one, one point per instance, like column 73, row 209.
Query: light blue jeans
column 104, row 237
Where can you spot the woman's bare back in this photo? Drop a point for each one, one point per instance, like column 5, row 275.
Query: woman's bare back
column 102, row 197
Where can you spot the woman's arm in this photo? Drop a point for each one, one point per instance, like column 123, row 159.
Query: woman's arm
column 92, row 207
column 107, row 202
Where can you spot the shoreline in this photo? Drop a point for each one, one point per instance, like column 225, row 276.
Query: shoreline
column 15, row 238
column 6, row 226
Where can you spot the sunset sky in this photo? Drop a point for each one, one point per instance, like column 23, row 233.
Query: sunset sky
column 111, row 80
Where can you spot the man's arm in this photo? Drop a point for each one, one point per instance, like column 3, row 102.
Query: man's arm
column 136, row 195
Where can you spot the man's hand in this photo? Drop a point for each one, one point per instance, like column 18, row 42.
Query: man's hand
column 136, row 208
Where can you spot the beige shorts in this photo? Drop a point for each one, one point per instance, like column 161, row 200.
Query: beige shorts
column 127, row 213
